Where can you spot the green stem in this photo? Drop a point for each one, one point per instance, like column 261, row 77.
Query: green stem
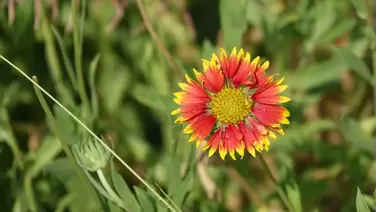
column 280, row 191
column 128, row 167
column 64, row 203
column 78, row 52
column 12, row 141
column 108, row 188
column 65, row 147
column 29, row 194
column 66, row 61
column 52, row 58
column 98, row 186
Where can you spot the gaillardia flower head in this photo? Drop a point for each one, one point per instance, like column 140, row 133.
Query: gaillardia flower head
column 232, row 104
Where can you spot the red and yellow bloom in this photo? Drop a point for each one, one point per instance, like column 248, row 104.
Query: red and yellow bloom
column 232, row 105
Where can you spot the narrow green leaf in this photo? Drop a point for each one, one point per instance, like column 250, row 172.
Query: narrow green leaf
column 233, row 22
column 371, row 201
column 338, row 30
column 184, row 187
column 174, row 178
column 144, row 200
column 207, row 49
column 294, row 196
column 356, row 136
column 355, row 64
column 49, row 149
column 113, row 82
column 325, row 18
column 61, row 168
column 66, row 61
column 291, row 188
column 124, row 192
column 148, row 96
column 92, row 82
column 329, row 71
column 361, row 204
column 360, row 7
column 181, row 66
column 65, row 124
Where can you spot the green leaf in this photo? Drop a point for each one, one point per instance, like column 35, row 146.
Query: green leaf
column 49, row 149
column 124, row 192
column 144, row 200
column 355, row 64
column 114, row 208
column 207, row 49
column 114, row 81
column 61, row 168
column 92, row 82
column 173, row 179
column 338, row 30
column 66, row 61
column 184, row 187
column 360, row 7
column 233, row 22
column 361, row 204
column 300, row 133
column 291, row 188
column 371, row 201
column 355, row 135
column 324, row 21
column 287, row 18
column 148, row 96
column 65, row 125
column 316, row 75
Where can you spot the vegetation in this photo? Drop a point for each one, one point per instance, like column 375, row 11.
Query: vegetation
column 104, row 139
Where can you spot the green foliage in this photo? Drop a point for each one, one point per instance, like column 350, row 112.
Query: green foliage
column 361, row 204
column 114, row 78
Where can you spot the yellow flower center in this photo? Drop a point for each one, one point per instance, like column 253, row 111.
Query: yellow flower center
column 230, row 105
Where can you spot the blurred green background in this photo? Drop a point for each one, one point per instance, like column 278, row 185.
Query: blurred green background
column 324, row 48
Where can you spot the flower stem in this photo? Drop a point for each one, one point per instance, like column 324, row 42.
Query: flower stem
column 12, row 141
column 280, row 191
column 78, row 52
column 156, row 38
column 55, row 130
column 116, row 156
column 108, row 188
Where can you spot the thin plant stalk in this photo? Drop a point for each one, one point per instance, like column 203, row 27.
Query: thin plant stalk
column 67, row 63
column 156, row 39
column 280, row 191
column 78, row 52
column 52, row 57
column 64, row 203
column 12, row 142
column 108, row 188
column 150, row 188
column 65, row 147
column 29, row 194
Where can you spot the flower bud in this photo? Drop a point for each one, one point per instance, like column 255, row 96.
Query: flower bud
column 91, row 155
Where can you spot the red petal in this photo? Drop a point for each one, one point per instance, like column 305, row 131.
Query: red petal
column 192, row 110
column 248, row 135
column 213, row 142
column 202, row 125
column 195, row 94
column 229, row 66
column 195, row 89
column 270, row 114
column 244, row 72
column 268, row 94
column 231, row 137
column 213, row 80
column 258, row 79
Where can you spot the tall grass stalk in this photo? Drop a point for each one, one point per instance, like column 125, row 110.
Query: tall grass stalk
column 91, row 133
